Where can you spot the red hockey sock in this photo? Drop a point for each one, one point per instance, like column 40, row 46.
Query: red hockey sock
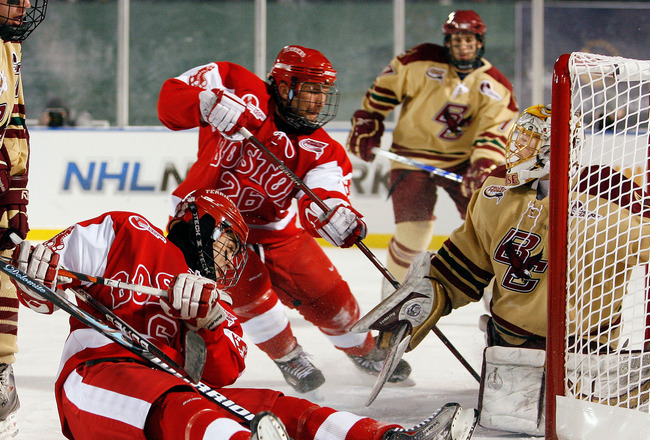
column 186, row 415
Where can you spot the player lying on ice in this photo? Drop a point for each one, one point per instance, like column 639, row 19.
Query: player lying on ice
column 104, row 391
column 505, row 238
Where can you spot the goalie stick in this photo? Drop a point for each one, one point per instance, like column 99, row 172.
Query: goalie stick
column 132, row 341
column 415, row 163
column 393, row 354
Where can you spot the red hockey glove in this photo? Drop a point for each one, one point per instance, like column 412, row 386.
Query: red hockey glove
column 341, row 226
column 226, row 112
column 367, row 129
column 13, row 211
column 42, row 264
column 476, row 175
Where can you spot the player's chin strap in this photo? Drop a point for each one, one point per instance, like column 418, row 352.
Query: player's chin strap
column 394, row 352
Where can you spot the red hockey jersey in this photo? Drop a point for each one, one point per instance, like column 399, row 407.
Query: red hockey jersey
column 262, row 192
column 126, row 247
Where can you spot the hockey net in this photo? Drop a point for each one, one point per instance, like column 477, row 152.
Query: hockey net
column 598, row 346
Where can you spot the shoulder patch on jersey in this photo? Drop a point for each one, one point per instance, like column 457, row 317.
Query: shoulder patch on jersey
column 579, row 210
column 142, row 224
column 313, row 146
column 495, row 192
column 253, row 106
column 435, row 73
column 486, row 89
column 198, row 79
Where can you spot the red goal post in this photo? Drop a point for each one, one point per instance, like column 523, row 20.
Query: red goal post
column 598, row 369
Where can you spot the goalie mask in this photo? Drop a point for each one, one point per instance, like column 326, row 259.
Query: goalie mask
column 528, row 147
column 302, row 84
column 459, row 24
column 212, row 234
column 19, row 18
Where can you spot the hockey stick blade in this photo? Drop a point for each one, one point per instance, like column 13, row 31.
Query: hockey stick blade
column 33, row 286
column 399, row 343
column 415, row 163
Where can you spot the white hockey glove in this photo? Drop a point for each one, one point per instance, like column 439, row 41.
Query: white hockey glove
column 224, row 111
column 342, row 226
column 420, row 301
column 194, row 299
column 42, row 264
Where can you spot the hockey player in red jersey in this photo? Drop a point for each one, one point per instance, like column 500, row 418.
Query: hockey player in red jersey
column 287, row 265
column 105, row 391
column 457, row 109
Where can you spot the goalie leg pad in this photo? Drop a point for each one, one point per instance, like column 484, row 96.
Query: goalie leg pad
column 511, row 396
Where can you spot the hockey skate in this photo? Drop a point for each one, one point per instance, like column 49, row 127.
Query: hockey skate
column 299, row 372
column 373, row 362
column 451, row 422
column 9, row 402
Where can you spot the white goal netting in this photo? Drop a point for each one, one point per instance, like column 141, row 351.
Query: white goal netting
column 608, row 242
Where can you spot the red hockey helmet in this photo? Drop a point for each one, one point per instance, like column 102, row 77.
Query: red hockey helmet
column 212, row 217
column 18, row 21
column 464, row 21
column 311, row 98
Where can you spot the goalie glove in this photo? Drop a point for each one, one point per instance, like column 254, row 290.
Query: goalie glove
column 367, row 129
column 475, row 176
column 194, row 299
column 226, row 112
column 420, row 302
column 341, row 226
column 42, row 264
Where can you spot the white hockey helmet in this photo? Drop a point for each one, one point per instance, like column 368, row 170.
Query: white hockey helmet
column 528, row 148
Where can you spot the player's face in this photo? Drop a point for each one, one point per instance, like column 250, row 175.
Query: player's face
column 224, row 249
column 525, row 144
column 464, row 46
column 309, row 100
column 13, row 11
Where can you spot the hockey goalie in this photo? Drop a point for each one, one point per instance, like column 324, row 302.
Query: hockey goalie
column 505, row 239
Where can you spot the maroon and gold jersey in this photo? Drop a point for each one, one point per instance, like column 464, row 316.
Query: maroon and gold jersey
column 505, row 239
column 444, row 119
column 12, row 108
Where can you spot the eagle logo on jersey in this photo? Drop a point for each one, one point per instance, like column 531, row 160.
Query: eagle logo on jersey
column 314, row 146
column 495, row 192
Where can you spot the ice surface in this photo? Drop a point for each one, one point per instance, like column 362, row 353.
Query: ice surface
column 439, row 378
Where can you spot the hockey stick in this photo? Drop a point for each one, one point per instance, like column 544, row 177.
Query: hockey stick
column 415, row 163
column 392, row 359
column 161, row 293
column 132, row 341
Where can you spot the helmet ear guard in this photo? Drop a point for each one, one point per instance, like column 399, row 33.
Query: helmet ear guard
column 309, row 97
